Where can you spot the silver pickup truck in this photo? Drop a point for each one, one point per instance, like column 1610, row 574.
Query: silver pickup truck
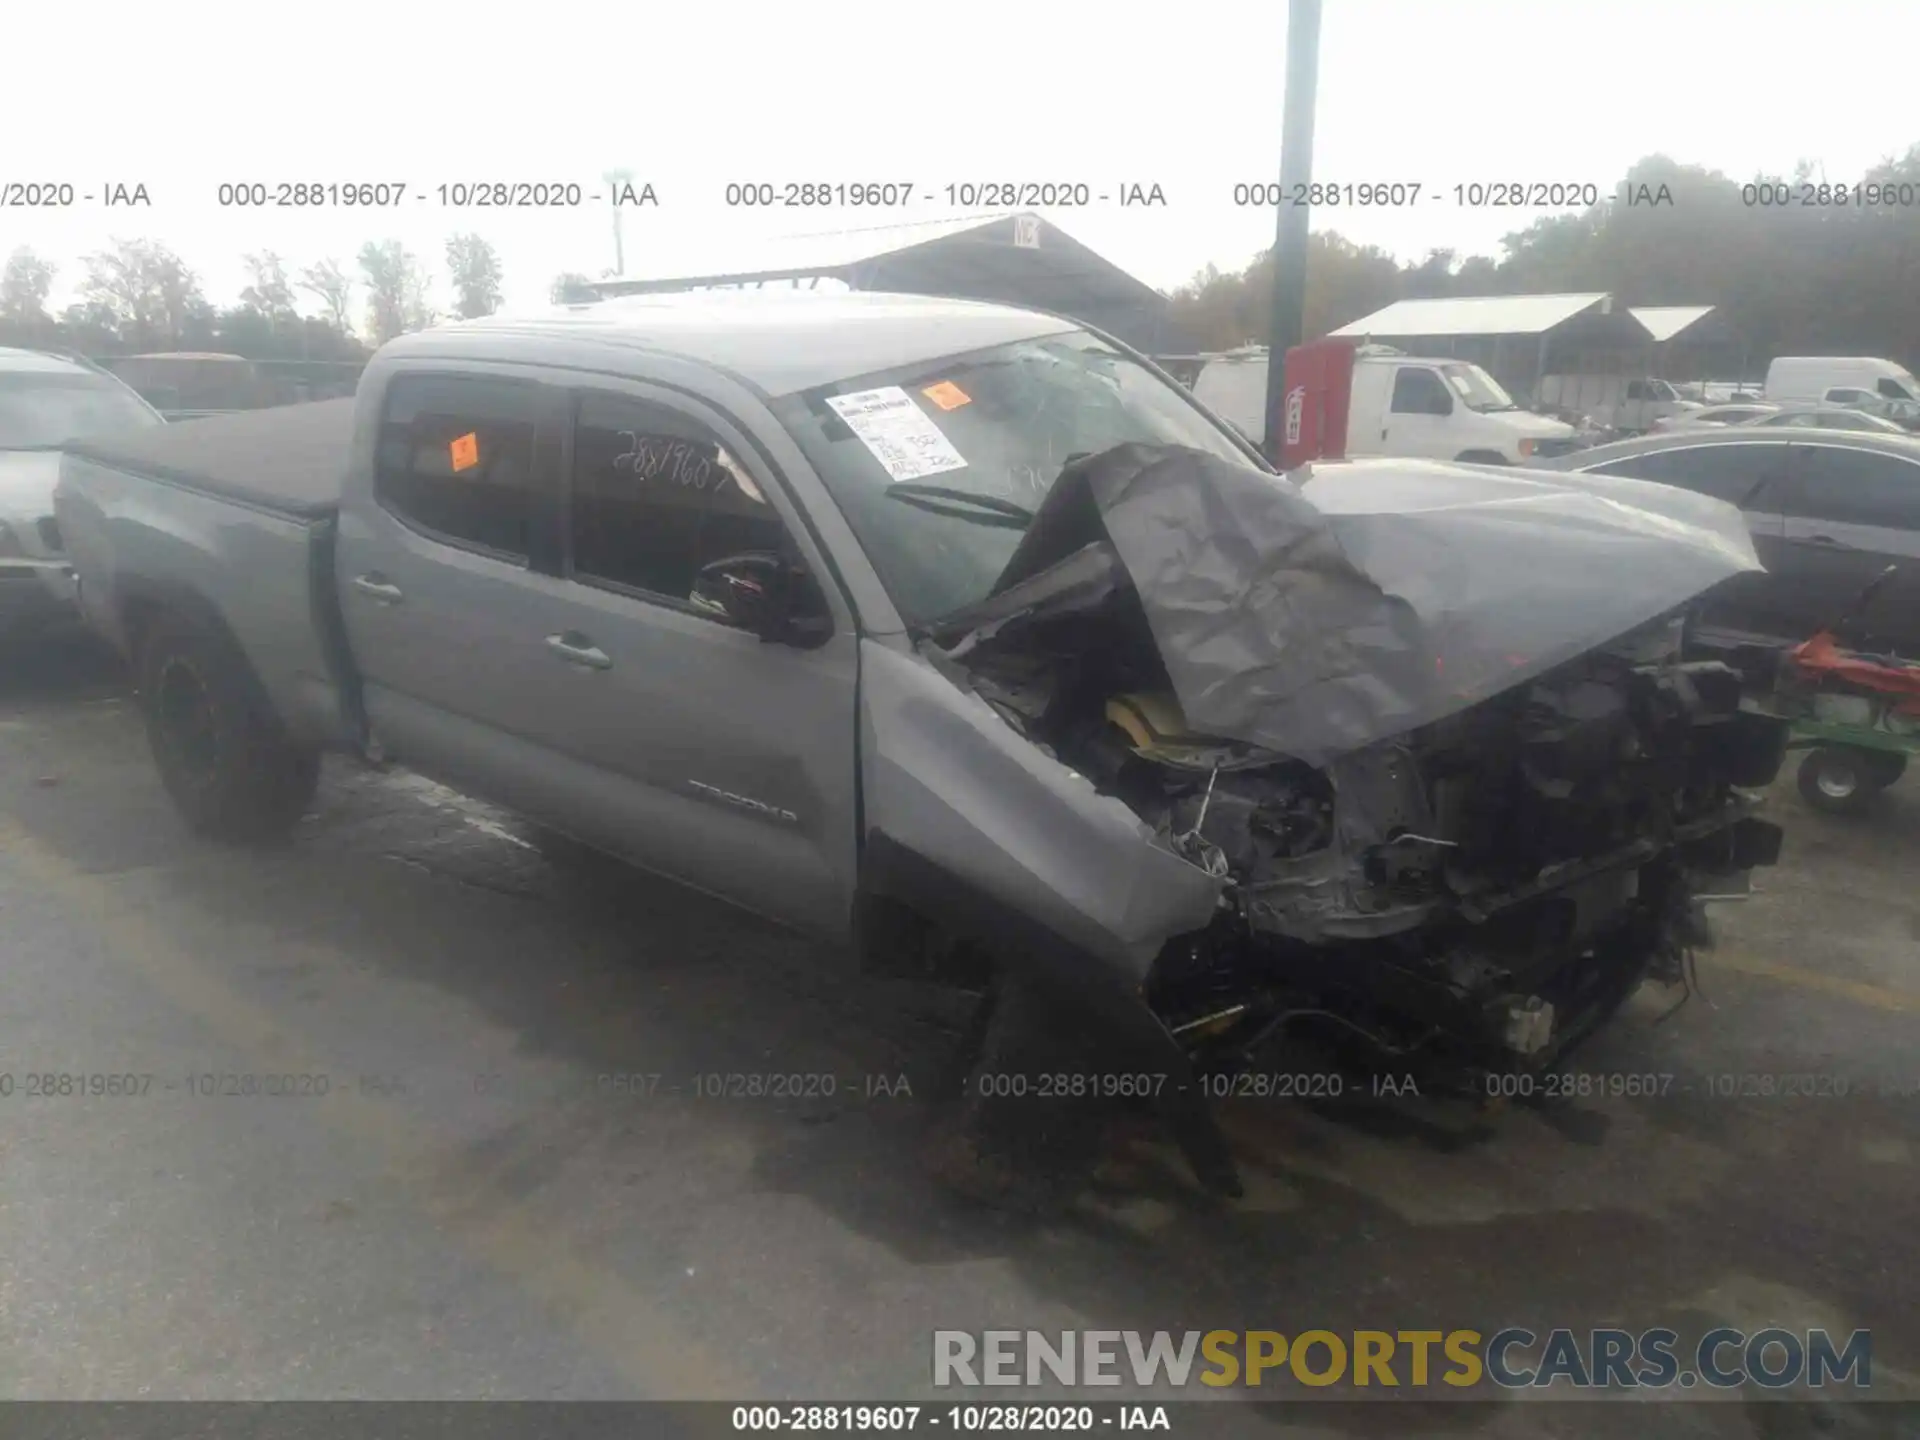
column 961, row 636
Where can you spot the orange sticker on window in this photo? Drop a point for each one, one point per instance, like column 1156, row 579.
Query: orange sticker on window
column 465, row 451
column 947, row 395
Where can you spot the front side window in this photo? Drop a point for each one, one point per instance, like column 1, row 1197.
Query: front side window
column 1737, row 474
column 939, row 465
column 1854, row 487
column 43, row 410
column 1896, row 389
column 456, row 459
column 1418, row 391
column 656, row 496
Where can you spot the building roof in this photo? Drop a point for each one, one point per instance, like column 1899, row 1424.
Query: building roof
column 1013, row 258
column 786, row 256
column 1474, row 315
column 779, row 340
column 1663, row 322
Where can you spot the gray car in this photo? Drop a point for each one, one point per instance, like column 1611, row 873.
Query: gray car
column 1828, row 510
column 1826, row 417
column 46, row 400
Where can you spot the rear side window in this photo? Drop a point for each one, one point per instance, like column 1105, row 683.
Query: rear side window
column 1854, row 487
column 656, row 496
column 1418, row 391
column 1738, row 474
column 456, row 459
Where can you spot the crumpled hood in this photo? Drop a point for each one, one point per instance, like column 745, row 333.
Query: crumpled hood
column 1371, row 598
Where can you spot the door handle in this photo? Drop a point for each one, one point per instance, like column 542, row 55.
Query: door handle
column 574, row 648
column 378, row 587
column 1823, row 540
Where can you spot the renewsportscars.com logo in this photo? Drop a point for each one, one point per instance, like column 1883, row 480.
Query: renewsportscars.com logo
column 1513, row 1358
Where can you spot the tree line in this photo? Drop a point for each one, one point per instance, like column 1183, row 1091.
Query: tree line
column 138, row 296
column 1795, row 268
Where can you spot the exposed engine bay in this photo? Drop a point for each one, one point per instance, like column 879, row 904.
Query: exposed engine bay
column 1476, row 892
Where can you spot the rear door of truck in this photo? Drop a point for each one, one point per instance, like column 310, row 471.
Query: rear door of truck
column 447, row 567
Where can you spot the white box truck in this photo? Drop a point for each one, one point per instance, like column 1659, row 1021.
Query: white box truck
column 1436, row 409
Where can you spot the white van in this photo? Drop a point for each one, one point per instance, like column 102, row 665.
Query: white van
column 1401, row 405
column 1817, row 377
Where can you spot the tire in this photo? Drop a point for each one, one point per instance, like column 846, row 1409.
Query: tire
column 1002, row 1142
column 1837, row 780
column 221, row 752
column 1481, row 457
column 1884, row 767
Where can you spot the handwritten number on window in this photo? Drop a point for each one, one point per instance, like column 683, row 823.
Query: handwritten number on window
column 675, row 462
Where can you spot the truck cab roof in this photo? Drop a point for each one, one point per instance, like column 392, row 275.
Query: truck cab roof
column 778, row 342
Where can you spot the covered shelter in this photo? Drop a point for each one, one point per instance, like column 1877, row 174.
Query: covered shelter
column 1689, row 342
column 1516, row 338
column 1012, row 258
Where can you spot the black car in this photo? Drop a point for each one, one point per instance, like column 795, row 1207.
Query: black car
column 1828, row 510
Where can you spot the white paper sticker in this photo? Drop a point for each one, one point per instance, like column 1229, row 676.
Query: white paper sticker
column 902, row 436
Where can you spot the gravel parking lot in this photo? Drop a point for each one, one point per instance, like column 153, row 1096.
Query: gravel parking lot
column 439, row 1195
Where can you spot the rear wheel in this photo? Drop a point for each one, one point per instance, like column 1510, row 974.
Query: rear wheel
column 223, row 756
column 1839, row 780
column 1481, row 457
column 1884, row 767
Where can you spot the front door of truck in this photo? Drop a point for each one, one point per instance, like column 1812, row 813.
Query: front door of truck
column 447, row 570
column 703, row 751
column 1419, row 416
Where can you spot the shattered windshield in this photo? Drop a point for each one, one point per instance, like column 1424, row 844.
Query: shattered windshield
column 938, row 466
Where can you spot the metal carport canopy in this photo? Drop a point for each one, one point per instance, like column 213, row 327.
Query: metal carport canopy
column 1474, row 315
column 1012, row 258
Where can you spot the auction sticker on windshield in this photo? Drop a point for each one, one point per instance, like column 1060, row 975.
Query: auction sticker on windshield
column 902, row 436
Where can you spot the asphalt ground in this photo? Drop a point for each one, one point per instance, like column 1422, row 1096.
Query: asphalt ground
column 383, row 1152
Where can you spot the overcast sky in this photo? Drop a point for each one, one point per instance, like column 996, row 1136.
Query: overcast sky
column 183, row 97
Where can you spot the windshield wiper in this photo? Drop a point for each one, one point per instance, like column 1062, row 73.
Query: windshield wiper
column 938, row 497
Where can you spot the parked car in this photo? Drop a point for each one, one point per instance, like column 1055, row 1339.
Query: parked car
column 1616, row 402
column 955, row 635
column 46, row 399
column 1828, row 511
column 1812, row 377
column 1904, row 413
column 1402, row 405
column 1713, row 416
column 1826, row 417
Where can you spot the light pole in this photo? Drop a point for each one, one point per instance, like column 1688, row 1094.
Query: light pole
column 615, row 179
column 1290, row 232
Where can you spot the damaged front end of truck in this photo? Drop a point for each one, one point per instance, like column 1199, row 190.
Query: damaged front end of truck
column 1405, row 763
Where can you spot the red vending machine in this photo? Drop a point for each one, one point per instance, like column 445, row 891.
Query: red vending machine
column 1312, row 423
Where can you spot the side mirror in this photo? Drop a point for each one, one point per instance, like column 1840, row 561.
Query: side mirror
column 763, row 592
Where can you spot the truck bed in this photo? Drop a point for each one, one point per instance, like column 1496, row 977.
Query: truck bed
column 290, row 458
